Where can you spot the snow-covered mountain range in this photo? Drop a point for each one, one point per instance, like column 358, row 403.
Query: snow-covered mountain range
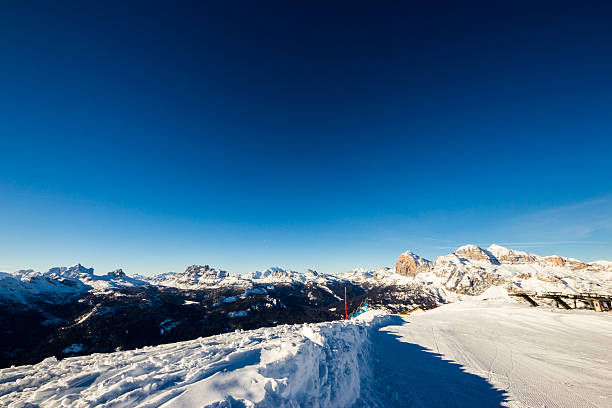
column 469, row 270
column 472, row 270
column 60, row 284
column 44, row 314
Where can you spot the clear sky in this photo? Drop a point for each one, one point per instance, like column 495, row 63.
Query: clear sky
column 151, row 136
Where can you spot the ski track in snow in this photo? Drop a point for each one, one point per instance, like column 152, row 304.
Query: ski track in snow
column 466, row 354
column 485, row 355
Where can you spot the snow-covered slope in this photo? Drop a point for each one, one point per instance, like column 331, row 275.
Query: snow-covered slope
column 605, row 264
column 477, row 354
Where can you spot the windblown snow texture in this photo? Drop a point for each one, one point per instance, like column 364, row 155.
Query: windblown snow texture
column 317, row 365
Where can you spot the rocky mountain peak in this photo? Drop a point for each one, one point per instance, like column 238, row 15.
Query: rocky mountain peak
column 410, row 264
column 117, row 273
column 313, row 273
column 569, row 263
column 476, row 253
column 197, row 272
column 71, row 272
column 273, row 272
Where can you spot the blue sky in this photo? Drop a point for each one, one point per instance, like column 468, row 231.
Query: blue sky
column 150, row 136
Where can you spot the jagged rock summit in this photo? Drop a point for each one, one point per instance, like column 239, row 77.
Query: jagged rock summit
column 117, row 273
column 77, row 271
column 410, row 264
column 193, row 277
column 476, row 253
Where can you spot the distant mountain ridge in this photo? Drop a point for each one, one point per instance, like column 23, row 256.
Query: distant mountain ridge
column 471, row 270
column 60, row 283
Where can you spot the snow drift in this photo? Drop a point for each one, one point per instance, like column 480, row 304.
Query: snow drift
column 316, row 365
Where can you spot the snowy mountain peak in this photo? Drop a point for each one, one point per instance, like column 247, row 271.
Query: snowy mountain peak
column 312, row 274
column 476, row 253
column 117, row 273
column 276, row 274
column 499, row 250
column 194, row 276
column 511, row 256
column 205, row 272
column 417, row 259
column 358, row 274
column 77, row 271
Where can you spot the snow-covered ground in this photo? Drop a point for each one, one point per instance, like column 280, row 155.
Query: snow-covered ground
column 478, row 354
column 466, row 354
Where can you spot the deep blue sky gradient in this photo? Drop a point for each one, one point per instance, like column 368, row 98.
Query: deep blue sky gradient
column 151, row 135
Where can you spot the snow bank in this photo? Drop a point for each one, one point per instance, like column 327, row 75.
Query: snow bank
column 495, row 294
column 287, row 366
column 372, row 315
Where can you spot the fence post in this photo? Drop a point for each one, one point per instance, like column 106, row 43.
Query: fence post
column 345, row 306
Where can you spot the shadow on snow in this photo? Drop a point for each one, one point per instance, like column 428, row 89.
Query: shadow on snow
column 408, row 375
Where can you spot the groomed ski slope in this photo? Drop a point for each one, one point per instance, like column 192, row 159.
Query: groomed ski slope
column 477, row 354
column 467, row 354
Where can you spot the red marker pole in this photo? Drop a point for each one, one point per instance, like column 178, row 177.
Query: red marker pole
column 345, row 307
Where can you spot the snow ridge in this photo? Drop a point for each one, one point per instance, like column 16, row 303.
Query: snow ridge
column 286, row 366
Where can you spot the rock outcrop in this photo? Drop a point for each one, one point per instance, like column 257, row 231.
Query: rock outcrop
column 117, row 273
column 569, row 263
column 475, row 253
column 410, row 264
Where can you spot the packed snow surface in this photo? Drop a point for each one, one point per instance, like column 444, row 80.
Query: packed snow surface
column 466, row 354
column 477, row 354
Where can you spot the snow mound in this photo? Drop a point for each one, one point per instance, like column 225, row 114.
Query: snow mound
column 371, row 315
column 286, row 366
column 494, row 293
